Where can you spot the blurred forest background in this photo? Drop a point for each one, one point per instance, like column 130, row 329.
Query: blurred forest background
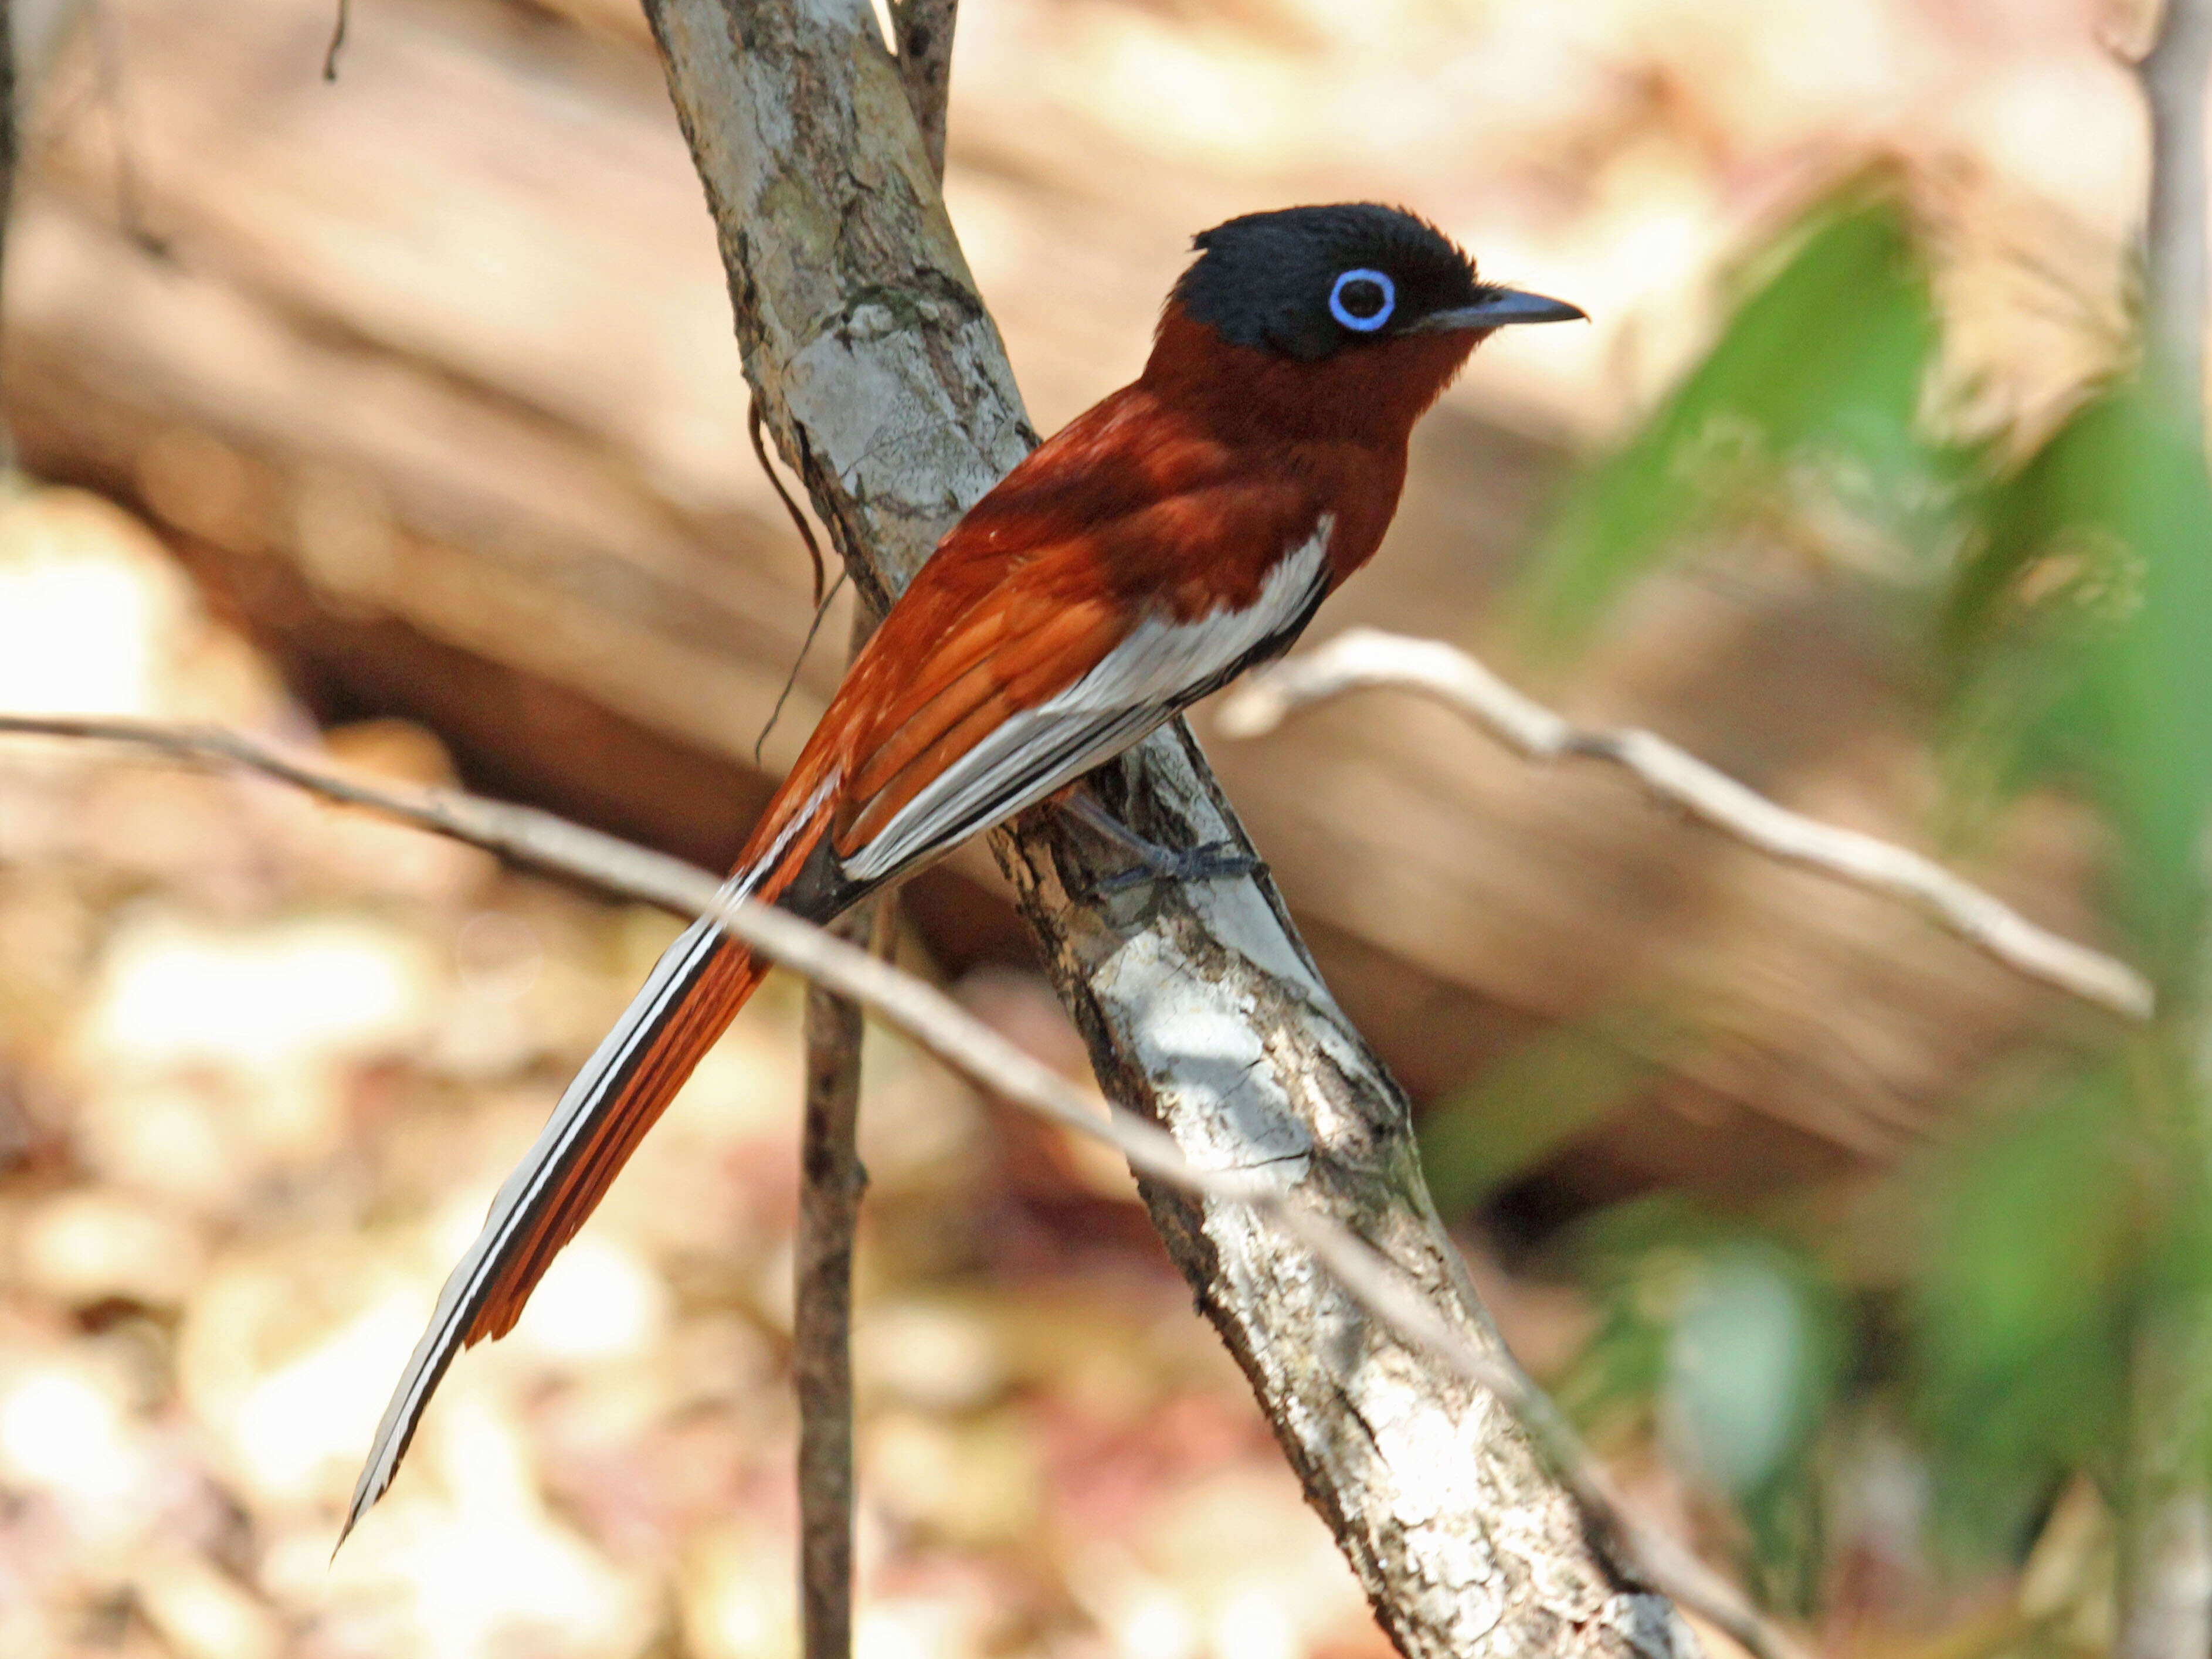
column 402, row 415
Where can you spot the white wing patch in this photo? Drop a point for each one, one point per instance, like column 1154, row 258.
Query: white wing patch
column 1162, row 667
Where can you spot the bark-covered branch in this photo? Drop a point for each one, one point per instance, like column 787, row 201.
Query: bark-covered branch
column 1365, row 659
column 830, row 1182
column 886, row 387
column 2175, row 287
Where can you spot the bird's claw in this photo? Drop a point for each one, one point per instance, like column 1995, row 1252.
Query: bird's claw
column 1216, row 860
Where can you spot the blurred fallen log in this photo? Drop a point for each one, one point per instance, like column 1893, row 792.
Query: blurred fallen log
column 432, row 387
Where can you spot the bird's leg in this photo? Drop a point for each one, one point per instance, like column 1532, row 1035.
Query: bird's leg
column 1215, row 860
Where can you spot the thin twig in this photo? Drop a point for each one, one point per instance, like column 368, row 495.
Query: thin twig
column 824, row 590
column 2173, row 75
column 798, row 662
column 830, row 1183
column 798, row 518
column 108, row 70
column 1365, row 658
column 338, row 40
column 11, row 144
column 936, row 1023
column 924, row 61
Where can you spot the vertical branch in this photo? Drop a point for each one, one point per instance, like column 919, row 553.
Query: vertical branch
column 925, row 60
column 2165, row 1591
column 11, row 144
column 831, row 1180
column 831, row 1176
column 2165, row 1519
column 2174, row 75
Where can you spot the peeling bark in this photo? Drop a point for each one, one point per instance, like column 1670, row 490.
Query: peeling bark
column 884, row 382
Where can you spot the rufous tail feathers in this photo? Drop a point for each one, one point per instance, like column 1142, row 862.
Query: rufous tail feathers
column 696, row 990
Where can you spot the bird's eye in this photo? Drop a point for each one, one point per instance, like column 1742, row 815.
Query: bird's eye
column 1363, row 300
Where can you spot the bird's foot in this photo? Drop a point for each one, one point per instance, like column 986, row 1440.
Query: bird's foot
column 1214, row 860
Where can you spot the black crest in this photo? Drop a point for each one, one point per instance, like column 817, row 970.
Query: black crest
column 1302, row 281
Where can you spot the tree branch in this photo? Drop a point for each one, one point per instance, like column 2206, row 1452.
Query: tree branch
column 1363, row 658
column 887, row 389
column 925, row 58
column 830, row 1183
column 2165, row 1549
column 11, row 151
column 541, row 842
column 2173, row 76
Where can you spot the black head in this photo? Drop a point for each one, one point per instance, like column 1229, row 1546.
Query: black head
column 1310, row 282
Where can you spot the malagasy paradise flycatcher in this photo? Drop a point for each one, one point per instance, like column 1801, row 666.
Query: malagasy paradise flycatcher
column 1183, row 529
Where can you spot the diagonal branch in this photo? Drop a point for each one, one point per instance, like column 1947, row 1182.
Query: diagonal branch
column 886, row 387
column 1365, row 659
column 590, row 859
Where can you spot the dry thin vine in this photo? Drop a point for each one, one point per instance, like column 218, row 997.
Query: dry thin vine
column 1271, row 1197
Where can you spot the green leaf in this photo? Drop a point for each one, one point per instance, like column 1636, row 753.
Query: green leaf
column 2020, row 1312
column 2082, row 630
column 1814, row 390
column 1537, row 1099
column 1739, row 1341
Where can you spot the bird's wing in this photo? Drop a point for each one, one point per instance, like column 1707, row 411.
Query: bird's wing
column 1027, row 698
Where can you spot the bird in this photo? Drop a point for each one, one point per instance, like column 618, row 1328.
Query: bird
column 1183, row 529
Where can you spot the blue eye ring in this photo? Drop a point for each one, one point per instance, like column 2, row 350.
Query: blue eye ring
column 1362, row 324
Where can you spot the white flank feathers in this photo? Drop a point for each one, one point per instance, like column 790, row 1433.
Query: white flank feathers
column 1161, row 668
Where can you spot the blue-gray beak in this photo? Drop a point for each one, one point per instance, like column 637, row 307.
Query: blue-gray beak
column 1497, row 307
